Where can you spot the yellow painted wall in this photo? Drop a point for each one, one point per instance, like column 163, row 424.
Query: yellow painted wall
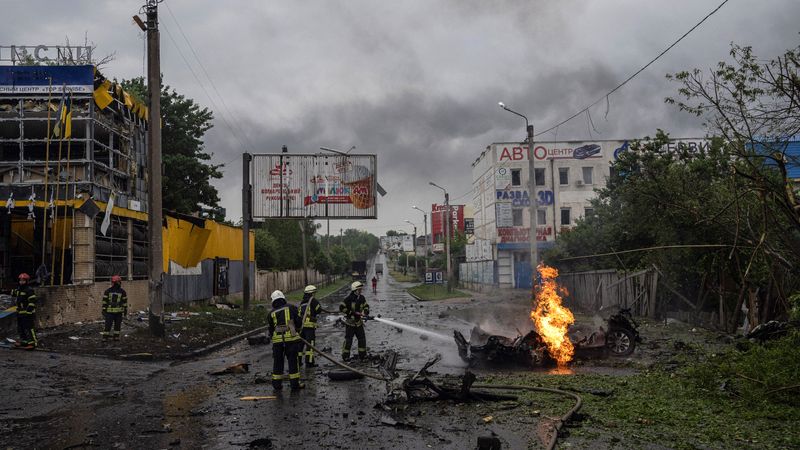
column 187, row 244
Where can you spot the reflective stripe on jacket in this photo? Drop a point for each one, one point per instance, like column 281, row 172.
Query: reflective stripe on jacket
column 115, row 300
column 284, row 330
column 310, row 317
column 26, row 300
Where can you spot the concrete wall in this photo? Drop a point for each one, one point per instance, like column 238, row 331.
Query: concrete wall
column 58, row 305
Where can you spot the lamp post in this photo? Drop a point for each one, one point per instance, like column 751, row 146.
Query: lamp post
column 532, row 190
column 447, row 234
column 425, row 221
column 416, row 267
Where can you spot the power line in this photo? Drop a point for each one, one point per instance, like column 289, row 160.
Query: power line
column 202, row 86
column 635, row 73
column 210, row 80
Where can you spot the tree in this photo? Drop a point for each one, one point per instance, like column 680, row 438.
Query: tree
column 186, row 184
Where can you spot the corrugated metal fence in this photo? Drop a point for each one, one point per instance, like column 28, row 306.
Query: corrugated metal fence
column 597, row 289
column 190, row 288
column 477, row 275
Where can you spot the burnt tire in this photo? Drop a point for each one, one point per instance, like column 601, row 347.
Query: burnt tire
column 620, row 342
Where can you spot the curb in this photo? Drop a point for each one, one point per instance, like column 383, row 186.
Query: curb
column 217, row 345
column 225, row 342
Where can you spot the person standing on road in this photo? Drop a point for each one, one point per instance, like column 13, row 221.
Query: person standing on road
column 374, row 284
column 355, row 310
column 115, row 306
column 26, row 312
column 283, row 323
column 309, row 310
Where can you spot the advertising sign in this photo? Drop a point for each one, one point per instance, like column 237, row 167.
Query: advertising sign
column 37, row 79
column 502, row 178
column 408, row 243
column 519, row 234
column 504, row 214
column 480, row 250
column 314, row 186
column 437, row 220
column 469, row 225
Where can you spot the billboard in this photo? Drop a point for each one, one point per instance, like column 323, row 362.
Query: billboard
column 40, row 79
column 437, row 220
column 314, row 186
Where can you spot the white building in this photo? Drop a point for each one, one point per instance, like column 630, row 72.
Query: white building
column 567, row 174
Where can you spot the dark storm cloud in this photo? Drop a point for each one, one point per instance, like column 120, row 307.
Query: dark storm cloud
column 415, row 82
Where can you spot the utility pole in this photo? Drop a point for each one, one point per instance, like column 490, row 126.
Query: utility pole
column 447, row 242
column 246, row 213
column 534, row 203
column 425, row 221
column 156, row 263
column 156, row 270
column 305, row 262
column 447, row 218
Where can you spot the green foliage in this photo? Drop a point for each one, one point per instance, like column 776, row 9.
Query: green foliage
column 649, row 409
column 279, row 244
column 323, row 263
column 187, row 172
column 340, row 259
column 426, row 292
column 761, row 374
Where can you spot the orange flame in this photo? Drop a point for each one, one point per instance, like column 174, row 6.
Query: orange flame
column 551, row 318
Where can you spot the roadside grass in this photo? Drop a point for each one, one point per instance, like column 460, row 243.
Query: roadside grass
column 706, row 403
column 296, row 296
column 427, row 292
column 398, row 276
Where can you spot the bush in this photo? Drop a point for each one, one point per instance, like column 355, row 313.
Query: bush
column 760, row 373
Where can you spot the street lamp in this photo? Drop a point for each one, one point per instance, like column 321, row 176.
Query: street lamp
column 416, row 268
column 425, row 221
column 532, row 191
column 447, row 234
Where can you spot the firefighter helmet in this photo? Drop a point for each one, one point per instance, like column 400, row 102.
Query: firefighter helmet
column 310, row 289
column 24, row 276
column 116, row 279
column 276, row 295
column 356, row 285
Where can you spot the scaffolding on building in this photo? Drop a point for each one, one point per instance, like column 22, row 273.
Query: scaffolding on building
column 55, row 190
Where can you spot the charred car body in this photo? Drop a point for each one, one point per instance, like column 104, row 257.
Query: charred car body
column 617, row 336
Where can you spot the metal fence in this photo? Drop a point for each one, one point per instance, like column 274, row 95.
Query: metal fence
column 597, row 289
column 477, row 274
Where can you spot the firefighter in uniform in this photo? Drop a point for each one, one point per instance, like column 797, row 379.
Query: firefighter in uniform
column 283, row 323
column 26, row 312
column 355, row 310
column 309, row 310
column 115, row 306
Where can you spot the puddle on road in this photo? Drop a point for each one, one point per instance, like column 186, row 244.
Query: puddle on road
column 180, row 412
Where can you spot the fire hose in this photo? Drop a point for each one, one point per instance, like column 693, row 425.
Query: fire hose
column 557, row 425
column 341, row 364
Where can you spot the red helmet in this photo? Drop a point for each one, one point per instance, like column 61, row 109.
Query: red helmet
column 116, row 279
column 24, row 276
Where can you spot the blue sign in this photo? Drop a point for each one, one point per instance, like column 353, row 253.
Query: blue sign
column 434, row 276
column 39, row 79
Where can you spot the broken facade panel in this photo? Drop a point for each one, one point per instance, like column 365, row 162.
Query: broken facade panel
column 55, row 188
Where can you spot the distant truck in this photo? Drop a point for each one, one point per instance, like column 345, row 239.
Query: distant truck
column 378, row 268
column 359, row 270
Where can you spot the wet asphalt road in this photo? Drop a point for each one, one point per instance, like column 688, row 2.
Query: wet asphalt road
column 60, row 401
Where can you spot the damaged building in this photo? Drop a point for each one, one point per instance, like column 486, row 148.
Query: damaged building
column 73, row 196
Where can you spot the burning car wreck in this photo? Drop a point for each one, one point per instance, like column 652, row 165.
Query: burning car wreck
column 616, row 336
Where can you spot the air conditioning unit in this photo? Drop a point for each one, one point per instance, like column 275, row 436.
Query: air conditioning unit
column 579, row 182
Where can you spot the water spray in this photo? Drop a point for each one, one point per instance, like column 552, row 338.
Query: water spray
column 414, row 329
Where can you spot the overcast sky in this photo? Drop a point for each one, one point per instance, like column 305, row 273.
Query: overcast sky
column 415, row 82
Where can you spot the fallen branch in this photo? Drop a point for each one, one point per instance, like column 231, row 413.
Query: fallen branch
column 785, row 388
column 751, row 379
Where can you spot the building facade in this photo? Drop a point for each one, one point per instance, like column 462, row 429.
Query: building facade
column 567, row 175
